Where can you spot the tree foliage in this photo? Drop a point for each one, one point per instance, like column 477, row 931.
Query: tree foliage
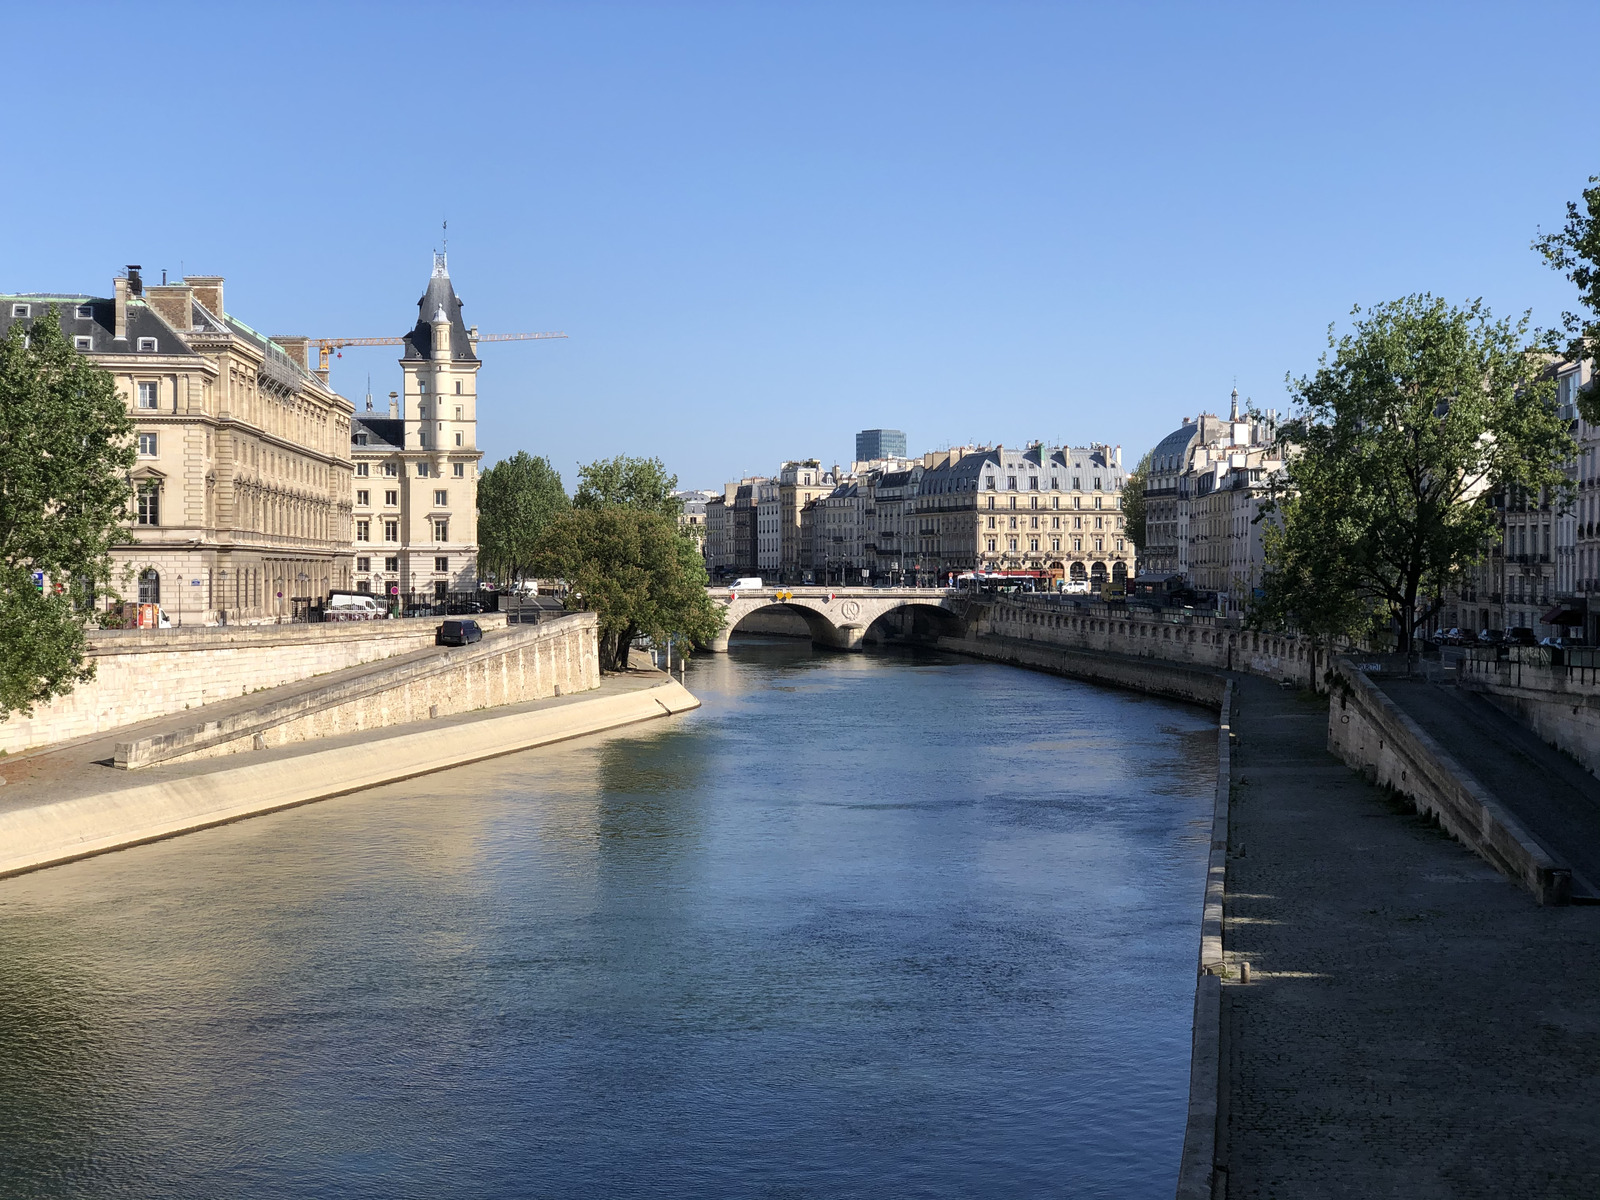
column 66, row 445
column 1133, row 511
column 1574, row 250
column 1397, row 447
column 641, row 483
column 637, row 571
column 518, row 497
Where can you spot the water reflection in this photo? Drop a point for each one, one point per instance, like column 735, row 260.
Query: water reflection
column 863, row 924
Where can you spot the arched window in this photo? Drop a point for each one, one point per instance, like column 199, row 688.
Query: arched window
column 1098, row 572
column 149, row 586
column 1120, row 571
column 1079, row 572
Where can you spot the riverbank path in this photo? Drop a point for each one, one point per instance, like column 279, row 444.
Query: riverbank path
column 1415, row 1025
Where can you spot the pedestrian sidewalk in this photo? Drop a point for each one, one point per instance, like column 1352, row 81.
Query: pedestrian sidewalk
column 1415, row 1025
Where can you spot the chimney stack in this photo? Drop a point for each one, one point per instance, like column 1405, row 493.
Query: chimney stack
column 394, row 406
column 135, row 282
column 208, row 291
column 119, row 287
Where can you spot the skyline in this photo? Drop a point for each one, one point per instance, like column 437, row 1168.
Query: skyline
column 765, row 230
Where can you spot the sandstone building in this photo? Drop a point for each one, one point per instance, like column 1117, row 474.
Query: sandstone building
column 241, row 498
column 414, row 519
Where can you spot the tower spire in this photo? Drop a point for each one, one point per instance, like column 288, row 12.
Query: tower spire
column 1235, row 414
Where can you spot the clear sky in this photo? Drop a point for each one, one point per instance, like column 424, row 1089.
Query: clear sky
column 765, row 226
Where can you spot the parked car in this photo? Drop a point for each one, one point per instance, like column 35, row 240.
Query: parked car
column 458, row 633
column 1521, row 635
column 424, row 610
column 1554, row 643
column 1490, row 637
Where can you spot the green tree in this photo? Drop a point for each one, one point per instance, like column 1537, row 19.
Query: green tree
column 518, row 497
column 1399, row 443
column 641, row 483
column 637, row 571
column 66, row 445
column 1133, row 513
column 1574, row 250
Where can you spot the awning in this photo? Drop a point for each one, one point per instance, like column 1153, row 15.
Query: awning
column 1564, row 614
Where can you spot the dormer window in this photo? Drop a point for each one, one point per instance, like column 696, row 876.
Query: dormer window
column 21, row 310
column 146, row 346
column 83, row 343
column 85, row 312
column 989, row 483
column 1011, row 483
column 1033, row 483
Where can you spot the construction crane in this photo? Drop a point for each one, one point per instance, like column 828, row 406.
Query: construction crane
column 327, row 346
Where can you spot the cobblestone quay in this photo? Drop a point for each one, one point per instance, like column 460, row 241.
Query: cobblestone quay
column 1415, row 1025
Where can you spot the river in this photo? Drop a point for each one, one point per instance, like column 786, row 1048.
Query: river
column 886, row 925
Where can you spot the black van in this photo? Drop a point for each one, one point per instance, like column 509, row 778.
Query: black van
column 458, row 633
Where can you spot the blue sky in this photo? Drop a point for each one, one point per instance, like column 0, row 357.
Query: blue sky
column 765, row 226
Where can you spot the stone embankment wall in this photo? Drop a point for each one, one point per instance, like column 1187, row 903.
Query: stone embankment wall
column 1370, row 733
column 525, row 662
column 113, row 817
column 1197, row 641
column 1560, row 704
column 147, row 673
column 1174, row 681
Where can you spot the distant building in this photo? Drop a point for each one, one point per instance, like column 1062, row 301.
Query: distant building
column 874, row 444
column 693, row 514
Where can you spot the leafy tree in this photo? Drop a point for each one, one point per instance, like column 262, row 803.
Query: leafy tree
column 637, row 570
column 518, row 497
column 1574, row 250
column 641, row 483
column 66, row 445
column 1133, row 513
column 1397, row 448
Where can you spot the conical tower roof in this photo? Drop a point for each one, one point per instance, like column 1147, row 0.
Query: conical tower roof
column 440, row 297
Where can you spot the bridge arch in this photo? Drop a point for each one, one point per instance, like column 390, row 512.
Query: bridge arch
column 841, row 617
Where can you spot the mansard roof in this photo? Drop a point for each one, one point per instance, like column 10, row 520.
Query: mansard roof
column 143, row 321
column 383, row 433
column 440, row 296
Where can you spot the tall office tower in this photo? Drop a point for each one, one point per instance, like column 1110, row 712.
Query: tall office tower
column 880, row 443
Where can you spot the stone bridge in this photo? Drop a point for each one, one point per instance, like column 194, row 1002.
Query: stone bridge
column 840, row 617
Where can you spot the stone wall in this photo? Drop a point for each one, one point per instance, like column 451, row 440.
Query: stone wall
column 528, row 662
column 144, row 673
column 1175, row 681
column 1370, row 733
column 1198, row 641
column 1560, row 704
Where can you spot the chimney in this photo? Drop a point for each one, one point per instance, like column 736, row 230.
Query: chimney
column 297, row 348
column 208, row 291
column 394, row 406
column 135, row 282
column 120, row 290
column 175, row 304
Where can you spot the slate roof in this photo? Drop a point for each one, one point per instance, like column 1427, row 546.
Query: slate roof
column 383, row 433
column 100, row 326
column 1170, row 451
column 440, row 294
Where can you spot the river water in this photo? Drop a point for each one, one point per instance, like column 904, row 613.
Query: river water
column 884, row 925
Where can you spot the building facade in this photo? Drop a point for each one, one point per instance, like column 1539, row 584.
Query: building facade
column 241, row 497
column 415, row 510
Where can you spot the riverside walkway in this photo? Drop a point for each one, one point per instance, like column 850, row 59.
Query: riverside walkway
column 1416, row 1026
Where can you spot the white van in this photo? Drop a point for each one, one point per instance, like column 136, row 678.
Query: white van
column 747, row 582
column 352, row 606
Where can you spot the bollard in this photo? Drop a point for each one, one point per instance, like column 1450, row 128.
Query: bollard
column 1244, row 972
